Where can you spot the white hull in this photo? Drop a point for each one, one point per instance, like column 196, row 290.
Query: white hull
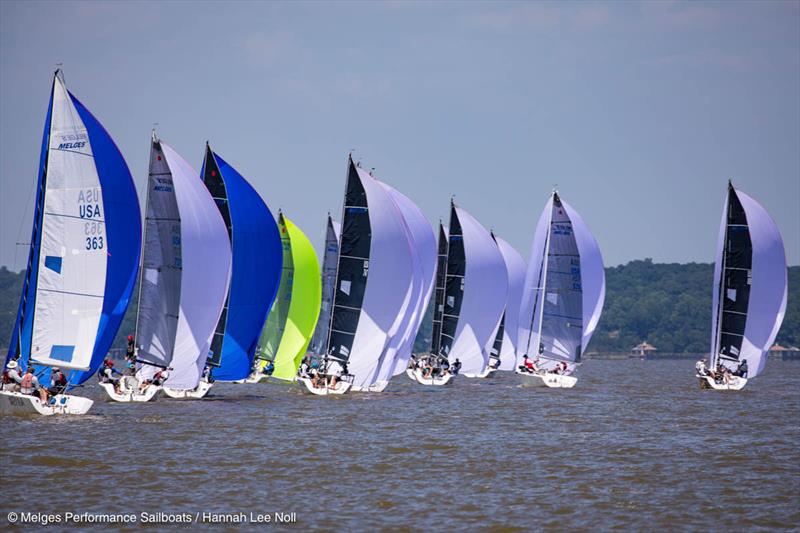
column 438, row 381
column 129, row 390
column 410, row 374
column 553, row 381
column 16, row 403
column 198, row 392
column 255, row 377
column 487, row 373
column 736, row 383
column 341, row 387
column 375, row 387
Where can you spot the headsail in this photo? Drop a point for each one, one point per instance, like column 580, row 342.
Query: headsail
column 515, row 267
column 85, row 244
column 475, row 292
column 439, row 288
column 294, row 314
column 319, row 342
column 423, row 247
column 750, row 283
column 256, row 270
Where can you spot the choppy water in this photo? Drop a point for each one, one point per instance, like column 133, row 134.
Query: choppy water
column 635, row 446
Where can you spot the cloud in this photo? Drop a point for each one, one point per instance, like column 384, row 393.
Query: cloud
column 681, row 15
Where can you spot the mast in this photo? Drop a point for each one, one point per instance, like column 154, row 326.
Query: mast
column 153, row 142
column 438, row 297
column 721, row 289
column 542, row 282
column 336, row 274
column 448, row 273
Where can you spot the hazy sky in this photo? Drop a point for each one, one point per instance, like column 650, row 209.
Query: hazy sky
column 638, row 112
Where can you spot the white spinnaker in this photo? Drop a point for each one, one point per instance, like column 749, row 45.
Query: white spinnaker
column 206, row 271
column 515, row 267
column 71, row 277
column 391, row 268
column 485, row 291
column 160, row 278
column 424, row 242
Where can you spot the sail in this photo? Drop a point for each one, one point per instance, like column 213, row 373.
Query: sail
column 272, row 333
column 303, row 292
column 423, row 247
column 750, row 280
column 86, row 225
column 319, row 342
column 160, row 278
column 439, row 288
column 515, row 268
column 205, row 271
column 256, row 269
column 476, row 287
column 564, row 286
column 374, row 248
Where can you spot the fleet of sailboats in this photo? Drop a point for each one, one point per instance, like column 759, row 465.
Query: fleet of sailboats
column 229, row 293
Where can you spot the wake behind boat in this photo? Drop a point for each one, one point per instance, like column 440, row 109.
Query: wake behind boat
column 749, row 299
column 81, row 263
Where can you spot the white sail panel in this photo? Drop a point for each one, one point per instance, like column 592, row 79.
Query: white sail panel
column 205, row 272
column 160, row 278
column 532, row 290
column 485, row 292
column 515, row 267
column 593, row 274
column 390, row 274
column 72, row 264
column 424, row 246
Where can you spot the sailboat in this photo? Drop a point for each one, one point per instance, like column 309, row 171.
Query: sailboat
column 750, row 289
column 330, row 260
column 470, row 300
column 503, row 346
column 256, row 270
column 293, row 317
column 83, row 256
column 422, row 245
column 184, row 278
column 563, row 296
column 373, row 275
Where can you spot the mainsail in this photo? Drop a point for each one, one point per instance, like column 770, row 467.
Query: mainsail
column 85, row 244
column 564, row 286
column 439, row 287
column 750, row 284
column 293, row 317
column 186, row 270
column 373, row 248
column 256, row 271
column 476, row 285
column 319, row 343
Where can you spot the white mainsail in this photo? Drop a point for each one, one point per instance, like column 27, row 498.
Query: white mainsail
column 71, row 276
column 515, row 267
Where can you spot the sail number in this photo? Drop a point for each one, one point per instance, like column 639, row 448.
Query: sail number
column 94, row 235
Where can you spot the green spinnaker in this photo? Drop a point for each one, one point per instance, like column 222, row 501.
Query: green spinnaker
column 293, row 317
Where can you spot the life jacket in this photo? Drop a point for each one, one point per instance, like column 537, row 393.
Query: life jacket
column 6, row 377
column 27, row 381
column 60, row 379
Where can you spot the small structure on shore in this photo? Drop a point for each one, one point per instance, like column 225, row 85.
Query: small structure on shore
column 644, row 349
column 792, row 352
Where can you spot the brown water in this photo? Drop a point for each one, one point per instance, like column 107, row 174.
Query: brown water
column 635, row 446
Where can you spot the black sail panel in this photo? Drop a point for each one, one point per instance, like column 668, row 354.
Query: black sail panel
column 441, row 272
column 736, row 279
column 498, row 339
column 212, row 178
column 454, row 283
column 353, row 267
